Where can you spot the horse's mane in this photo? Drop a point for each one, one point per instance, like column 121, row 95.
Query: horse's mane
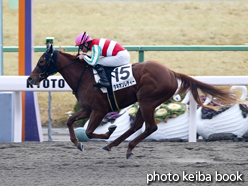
column 67, row 54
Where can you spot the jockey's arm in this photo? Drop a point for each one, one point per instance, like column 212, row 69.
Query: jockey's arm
column 96, row 51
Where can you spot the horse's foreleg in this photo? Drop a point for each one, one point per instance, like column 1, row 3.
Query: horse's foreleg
column 94, row 122
column 134, row 127
column 81, row 114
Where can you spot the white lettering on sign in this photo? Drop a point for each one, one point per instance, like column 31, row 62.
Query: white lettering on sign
column 20, row 83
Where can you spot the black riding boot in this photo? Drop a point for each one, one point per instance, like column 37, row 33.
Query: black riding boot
column 103, row 82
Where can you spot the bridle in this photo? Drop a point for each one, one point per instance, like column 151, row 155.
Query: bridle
column 51, row 68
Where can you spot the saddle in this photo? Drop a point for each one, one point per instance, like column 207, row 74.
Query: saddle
column 119, row 78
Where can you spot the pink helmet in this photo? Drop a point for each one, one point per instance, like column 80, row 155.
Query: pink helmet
column 81, row 38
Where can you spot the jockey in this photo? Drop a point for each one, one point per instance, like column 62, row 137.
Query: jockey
column 113, row 55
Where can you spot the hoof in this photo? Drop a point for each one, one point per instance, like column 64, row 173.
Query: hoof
column 106, row 148
column 80, row 146
column 112, row 128
column 129, row 155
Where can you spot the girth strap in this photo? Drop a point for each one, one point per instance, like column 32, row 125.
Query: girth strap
column 110, row 94
column 112, row 100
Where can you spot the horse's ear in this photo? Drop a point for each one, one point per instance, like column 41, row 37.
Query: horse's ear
column 49, row 48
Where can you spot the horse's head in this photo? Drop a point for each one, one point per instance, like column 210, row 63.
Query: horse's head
column 46, row 66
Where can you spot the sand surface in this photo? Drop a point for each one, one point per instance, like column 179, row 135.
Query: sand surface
column 60, row 163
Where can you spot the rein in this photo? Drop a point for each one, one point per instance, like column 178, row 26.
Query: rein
column 74, row 92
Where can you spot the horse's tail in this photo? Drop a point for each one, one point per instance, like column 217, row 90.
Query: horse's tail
column 221, row 94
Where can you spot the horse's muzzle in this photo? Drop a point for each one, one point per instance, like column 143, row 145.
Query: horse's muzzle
column 33, row 81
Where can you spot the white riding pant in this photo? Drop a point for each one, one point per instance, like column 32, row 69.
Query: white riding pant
column 121, row 58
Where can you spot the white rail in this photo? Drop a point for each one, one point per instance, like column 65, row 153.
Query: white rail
column 19, row 84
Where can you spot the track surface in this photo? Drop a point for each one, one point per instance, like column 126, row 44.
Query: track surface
column 60, row 163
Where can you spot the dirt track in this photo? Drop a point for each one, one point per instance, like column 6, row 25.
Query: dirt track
column 60, row 163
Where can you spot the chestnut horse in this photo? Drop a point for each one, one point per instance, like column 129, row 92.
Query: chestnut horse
column 155, row 84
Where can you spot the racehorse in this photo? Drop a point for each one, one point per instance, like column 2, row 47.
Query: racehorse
column 155, row 83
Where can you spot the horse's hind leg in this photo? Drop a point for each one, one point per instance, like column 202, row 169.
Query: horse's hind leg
column 134, row 127
column 151, row 126
column 81, row 114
